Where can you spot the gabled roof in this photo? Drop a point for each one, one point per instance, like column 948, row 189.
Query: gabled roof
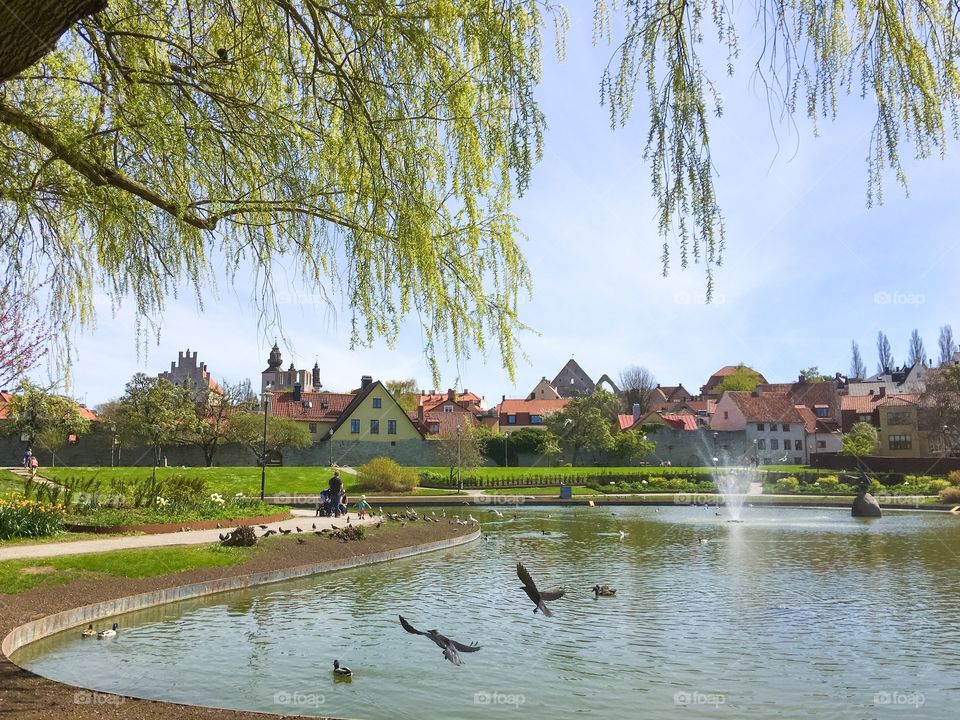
column 533, row 407
column 444, row 422
column 431, row 399
column 362, row 395
column 323, row 406
column 811, row 423
column 810, row 394
column 766, row 407
column 673, row 393
column 863, row 404
column 625, row 422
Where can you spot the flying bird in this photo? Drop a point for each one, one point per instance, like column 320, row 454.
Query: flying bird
column 530, row 588
column 450, row 647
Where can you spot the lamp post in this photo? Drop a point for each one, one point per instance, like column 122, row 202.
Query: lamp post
column 265, row 400
column 716, row 459
column 459, row 476
column 113, row 445
column 506, row 457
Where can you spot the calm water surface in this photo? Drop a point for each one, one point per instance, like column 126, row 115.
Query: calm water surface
column 790, row 614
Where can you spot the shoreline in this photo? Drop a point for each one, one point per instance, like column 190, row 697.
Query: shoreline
column 26, row 696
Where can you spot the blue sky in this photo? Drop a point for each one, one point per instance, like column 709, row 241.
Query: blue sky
column 807, row 267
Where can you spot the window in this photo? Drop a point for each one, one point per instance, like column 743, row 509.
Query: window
column 511, row 419
column 865, row 418
column 355, row 427
column 786, row 427
column 821, row 444
column 313, row 428
column 821, row 411
column 761, row 444
column 726, row 415
column 391, row 427
column 448, row 408
column 774, row 444
column 536, row 420
column 798, row 444
column 377, row 403
column 760, row 427
column 898, row 418
column 374, row 427
column 901, row 442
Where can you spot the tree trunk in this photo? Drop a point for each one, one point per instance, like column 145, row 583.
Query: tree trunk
column 29, row 29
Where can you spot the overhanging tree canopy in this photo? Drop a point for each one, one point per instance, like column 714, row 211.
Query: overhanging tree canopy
column 379, row 145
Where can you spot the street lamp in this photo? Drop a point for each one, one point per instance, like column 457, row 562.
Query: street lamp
column 716, row 460
column 459, row 476
column 265, row 400
column 506, row 458
column 113, row 445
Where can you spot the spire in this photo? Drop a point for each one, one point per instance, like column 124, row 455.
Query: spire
column 274, row 361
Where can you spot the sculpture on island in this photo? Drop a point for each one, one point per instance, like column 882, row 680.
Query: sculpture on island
column 864, row 504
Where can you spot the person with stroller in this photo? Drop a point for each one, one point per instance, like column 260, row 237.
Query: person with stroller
column 336, row 491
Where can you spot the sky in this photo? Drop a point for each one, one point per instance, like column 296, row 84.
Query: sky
column 807, row 269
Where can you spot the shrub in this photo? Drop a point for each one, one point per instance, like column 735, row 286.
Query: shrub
column 935, row 486
column 182, row 490
column 20, row 517
column 950, row 495
column 787, row 485
column 829, row 484
column 954, row 478
column 384, row 475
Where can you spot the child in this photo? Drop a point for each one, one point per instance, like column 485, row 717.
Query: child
column 362, row 506
column 33, row 465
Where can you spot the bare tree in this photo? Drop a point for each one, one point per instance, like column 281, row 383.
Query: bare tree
column 918, row 353
column 947, row 345
column 884, row 354
column 857, row 367
column 22, row 339
column 639, row 387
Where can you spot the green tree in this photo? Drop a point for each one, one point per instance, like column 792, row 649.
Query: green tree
column 405, row 392
column 45, row 418
column 376, row 147
column 742, row 378
column 631, row 446
column 154, row 411
column 585, row 423
column 213, row 409
column 813, row 374
column 861, row 440
column 246, row 429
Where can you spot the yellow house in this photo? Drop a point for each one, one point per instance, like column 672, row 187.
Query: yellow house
column 373, row 416
column 899, row 433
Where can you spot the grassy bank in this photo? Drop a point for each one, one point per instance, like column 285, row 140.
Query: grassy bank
column 10, row 483
column 19, row 575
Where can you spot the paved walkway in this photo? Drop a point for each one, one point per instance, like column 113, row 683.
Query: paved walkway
column 303, row 518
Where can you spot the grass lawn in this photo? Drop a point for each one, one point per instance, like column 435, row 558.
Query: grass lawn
column 227, row 481
column 10, row 483
column 61, row 537
column 19, row 575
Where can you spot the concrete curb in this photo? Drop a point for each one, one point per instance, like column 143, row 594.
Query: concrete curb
column 51, row 624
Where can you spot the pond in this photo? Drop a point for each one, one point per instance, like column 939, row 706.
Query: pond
column 791, row 613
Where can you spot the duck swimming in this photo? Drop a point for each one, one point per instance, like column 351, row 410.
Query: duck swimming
column 603, row 591
column 89, row 632
column 341, row 671
column 112, row 632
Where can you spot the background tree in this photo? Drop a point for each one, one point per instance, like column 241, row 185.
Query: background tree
column 585, row 423
column 884, row 354
column 861, row 440
column 156, row 412
column 213, row 410
column 857, row 367
column 946, row 345
column 44, row 418
column 405, row 392
column 463, row 449
column 630, row 446
column 247, row 430
column 918, row 353
column 639, row 387
column 813, row 374
column 742, row 378
column 22, row 339
column 940, row 407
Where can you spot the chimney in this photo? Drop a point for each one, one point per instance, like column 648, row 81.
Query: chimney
column 296, row 392
column 420, row 415
column 451, row 395
column 636, row 411
column 801, row 378
column 883, row 390
column 503, row 398
column 366, row 381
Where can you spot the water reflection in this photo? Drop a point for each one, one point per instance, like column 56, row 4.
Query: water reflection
column 791, row 613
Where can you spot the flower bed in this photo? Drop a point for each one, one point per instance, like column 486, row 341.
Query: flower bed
column 20, row 517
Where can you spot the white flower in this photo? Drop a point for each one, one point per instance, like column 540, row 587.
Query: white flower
column 162, row 502
column 239, row 495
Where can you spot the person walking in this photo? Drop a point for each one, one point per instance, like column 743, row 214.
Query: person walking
column 362, row 507
column 34, row 464
column 336, row 490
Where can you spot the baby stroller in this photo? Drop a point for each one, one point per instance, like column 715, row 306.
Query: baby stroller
column 325, row 508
